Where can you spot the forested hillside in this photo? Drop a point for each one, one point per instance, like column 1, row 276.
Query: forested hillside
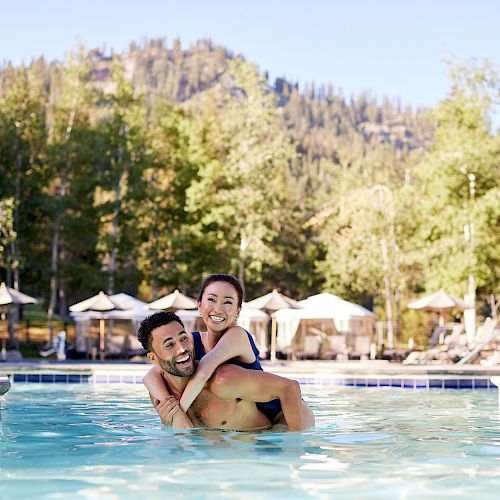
column 143, row 171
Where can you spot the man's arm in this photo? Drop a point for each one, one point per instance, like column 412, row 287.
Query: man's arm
column 231, row 381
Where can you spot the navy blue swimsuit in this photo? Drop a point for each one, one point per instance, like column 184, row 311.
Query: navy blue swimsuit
column 270, row 409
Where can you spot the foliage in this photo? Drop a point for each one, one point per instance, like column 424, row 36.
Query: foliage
column 458, row 210
column 145, row 171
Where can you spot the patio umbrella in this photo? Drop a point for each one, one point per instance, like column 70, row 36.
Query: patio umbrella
column 172, row 302
column 100, row 303
column 10, row 296
column 272, row 302
column 439, row 302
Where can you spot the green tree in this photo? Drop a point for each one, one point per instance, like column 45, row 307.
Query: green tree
column 123, row 133
column 71, row 166
column 169, row 252
column 459, row 235
column 22, row 144
column 238, row 195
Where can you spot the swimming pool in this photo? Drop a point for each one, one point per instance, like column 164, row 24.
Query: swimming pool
column 105, row 441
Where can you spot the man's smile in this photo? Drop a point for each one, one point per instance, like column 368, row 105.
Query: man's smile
column 183, row 359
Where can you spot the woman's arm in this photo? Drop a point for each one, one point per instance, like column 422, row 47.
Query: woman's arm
column 171, row 414
column 165, row 404
column 232, row 344
column 155, row 384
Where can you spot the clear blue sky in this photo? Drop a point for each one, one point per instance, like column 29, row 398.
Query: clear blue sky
column 390, row 47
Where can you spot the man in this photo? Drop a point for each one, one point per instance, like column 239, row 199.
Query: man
column 228, row 399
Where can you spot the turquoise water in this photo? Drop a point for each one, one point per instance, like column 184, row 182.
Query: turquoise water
column 90, row 441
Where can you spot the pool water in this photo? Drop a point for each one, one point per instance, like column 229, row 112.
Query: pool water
column 91, row 441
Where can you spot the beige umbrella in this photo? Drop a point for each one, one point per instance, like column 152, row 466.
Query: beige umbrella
column 173, row 301
column 272, row 302
column 100, row 303
column 439, row 302
column 9, row 296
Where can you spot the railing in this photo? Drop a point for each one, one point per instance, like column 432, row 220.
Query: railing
column 37, row 332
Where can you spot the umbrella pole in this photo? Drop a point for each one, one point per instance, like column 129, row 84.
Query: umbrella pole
column 101, row 339
column 441, row 317
column 273, row 339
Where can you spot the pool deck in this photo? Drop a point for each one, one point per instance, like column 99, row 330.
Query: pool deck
column 280, row 367
column 352, row 373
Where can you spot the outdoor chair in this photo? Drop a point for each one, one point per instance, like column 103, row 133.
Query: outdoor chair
column 134, row 347
column 115, row 346
column 485, row 335
column 336, row 348
column 312, row 347
column 361, row 349
column 58, row 347
column 453, row 348
column 437, row 334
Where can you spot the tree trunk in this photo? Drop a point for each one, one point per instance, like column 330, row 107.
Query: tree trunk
column 388, row 295
column 154, row 264
column 397, row 300
column 63, row 304
column 53, row 278
column 491, row 299
column 113, row 252
column 54, row 261
column 116, row 217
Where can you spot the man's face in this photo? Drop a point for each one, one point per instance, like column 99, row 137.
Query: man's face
column 173, row 349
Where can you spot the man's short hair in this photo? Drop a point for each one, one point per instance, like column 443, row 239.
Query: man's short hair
column 149, row 323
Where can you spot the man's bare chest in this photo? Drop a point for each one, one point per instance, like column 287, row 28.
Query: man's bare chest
column 210, row 411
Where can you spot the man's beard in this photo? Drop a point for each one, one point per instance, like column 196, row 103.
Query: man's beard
column 172, row 368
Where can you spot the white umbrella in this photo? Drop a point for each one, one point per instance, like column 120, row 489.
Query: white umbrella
column 173, row 301
column 100, row 303
column 10, row 296
column 438, row 302
column 271, row 302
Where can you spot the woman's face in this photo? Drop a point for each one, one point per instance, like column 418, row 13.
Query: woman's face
column 219, row 306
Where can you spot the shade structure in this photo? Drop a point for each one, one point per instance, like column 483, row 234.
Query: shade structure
column 133, row 311
column 439, row 302
column 10, row 296
column 101, row 303
column 272, row 302
column 347, row 317
column 173, row 301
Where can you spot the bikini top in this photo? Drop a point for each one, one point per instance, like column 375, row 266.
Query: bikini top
column 199, row 352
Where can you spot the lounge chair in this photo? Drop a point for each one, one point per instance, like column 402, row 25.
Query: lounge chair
column 336, row 348
column 312, row 347
column 486, row 333
column 134, row 347
column 362, row 344
column 115, row 346
column 58, row 347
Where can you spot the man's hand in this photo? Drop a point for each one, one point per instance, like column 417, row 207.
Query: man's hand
column 171, row 413
column 167, row 408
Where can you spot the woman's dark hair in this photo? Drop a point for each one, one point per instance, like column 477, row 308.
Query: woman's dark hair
column 214, row 278
column 154, row 321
